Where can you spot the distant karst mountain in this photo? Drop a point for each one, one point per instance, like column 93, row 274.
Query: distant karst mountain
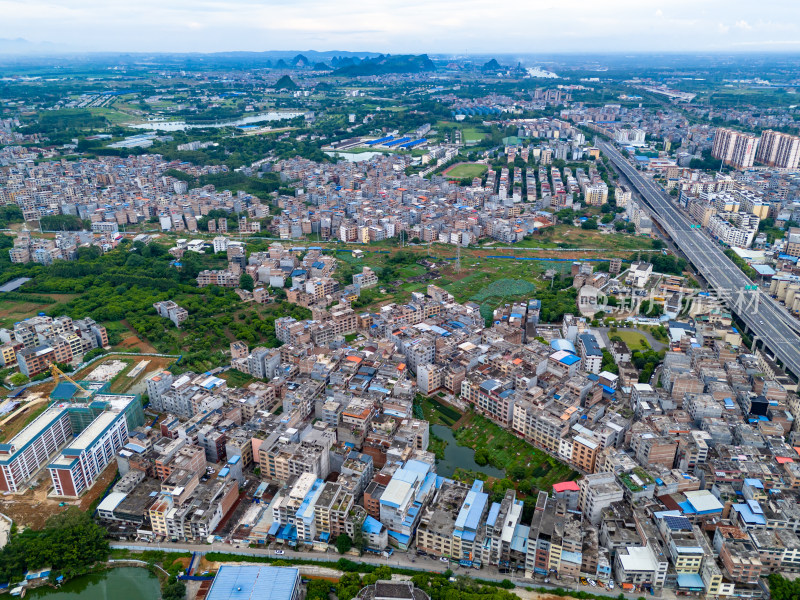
column 381, row 65
column 285, row 83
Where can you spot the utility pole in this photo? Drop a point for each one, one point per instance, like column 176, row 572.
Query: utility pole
column 458, row 258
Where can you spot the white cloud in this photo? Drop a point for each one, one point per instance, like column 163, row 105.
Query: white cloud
column 446, row 26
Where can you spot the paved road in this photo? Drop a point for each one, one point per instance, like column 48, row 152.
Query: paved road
column 779, row 331
column 398, row 559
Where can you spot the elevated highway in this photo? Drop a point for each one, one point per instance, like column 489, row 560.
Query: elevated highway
column 775, row 327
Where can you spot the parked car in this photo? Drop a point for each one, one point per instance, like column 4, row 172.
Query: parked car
column 611, row 584
column 280, row 552
column 443, row 559
column 583, row 581
column 592, row 582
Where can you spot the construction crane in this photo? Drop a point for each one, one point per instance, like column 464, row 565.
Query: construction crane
column 58, row 374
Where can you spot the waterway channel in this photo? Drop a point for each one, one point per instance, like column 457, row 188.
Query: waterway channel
column 456, row 456
column 121, row 583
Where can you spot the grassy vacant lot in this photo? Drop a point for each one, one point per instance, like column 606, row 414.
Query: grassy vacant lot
column 526, row 466
column 236, row 378
column 465, row 170
column 437, row 413
column 484, row 271
column 569, row 236
column 634, row 339
column 12, row 311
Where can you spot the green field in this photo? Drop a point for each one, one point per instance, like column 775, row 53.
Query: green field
column 471, row 134
column 413, row 271
column 115, row 117
column 633, row 339
column 465, row 170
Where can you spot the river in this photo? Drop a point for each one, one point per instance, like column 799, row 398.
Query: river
column 456, row 456
column 182, row 125
column 121, row 583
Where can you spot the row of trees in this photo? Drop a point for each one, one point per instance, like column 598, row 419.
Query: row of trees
column 63, row 223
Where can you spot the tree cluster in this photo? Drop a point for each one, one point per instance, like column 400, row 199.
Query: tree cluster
column 781, row 588
column 69, row 543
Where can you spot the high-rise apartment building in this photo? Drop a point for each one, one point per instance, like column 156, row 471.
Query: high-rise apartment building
column 776, row 149
column 734, row 148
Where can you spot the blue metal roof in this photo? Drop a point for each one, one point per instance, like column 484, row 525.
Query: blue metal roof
column 380, row 140
column 372, row 525
column 397, row 142
column 237, row 582
column 570, row 360
column 471, row 510
column 494, row 512
column 690, row 580
column 414, row 143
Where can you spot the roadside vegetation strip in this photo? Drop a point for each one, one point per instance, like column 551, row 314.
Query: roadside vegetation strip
column 343, row 564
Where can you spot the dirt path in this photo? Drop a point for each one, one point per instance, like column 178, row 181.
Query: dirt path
column 529, row 595
column 134, row 341
column 465, row 420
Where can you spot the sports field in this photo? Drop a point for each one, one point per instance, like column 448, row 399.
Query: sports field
column 464, row 170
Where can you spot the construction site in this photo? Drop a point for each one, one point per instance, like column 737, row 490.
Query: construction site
column 85, row 394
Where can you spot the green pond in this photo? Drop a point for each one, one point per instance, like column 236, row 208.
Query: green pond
column 123, row 583
column 456, row 456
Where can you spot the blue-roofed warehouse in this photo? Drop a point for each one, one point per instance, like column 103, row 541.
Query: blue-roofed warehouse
column 239, row 582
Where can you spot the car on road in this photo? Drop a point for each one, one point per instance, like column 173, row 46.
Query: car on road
column 280, row 552
column 547, row 580
column 611, row 584
column 443, row 559
column 583, row 581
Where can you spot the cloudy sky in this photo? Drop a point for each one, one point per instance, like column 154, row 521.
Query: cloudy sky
column 406, row 26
